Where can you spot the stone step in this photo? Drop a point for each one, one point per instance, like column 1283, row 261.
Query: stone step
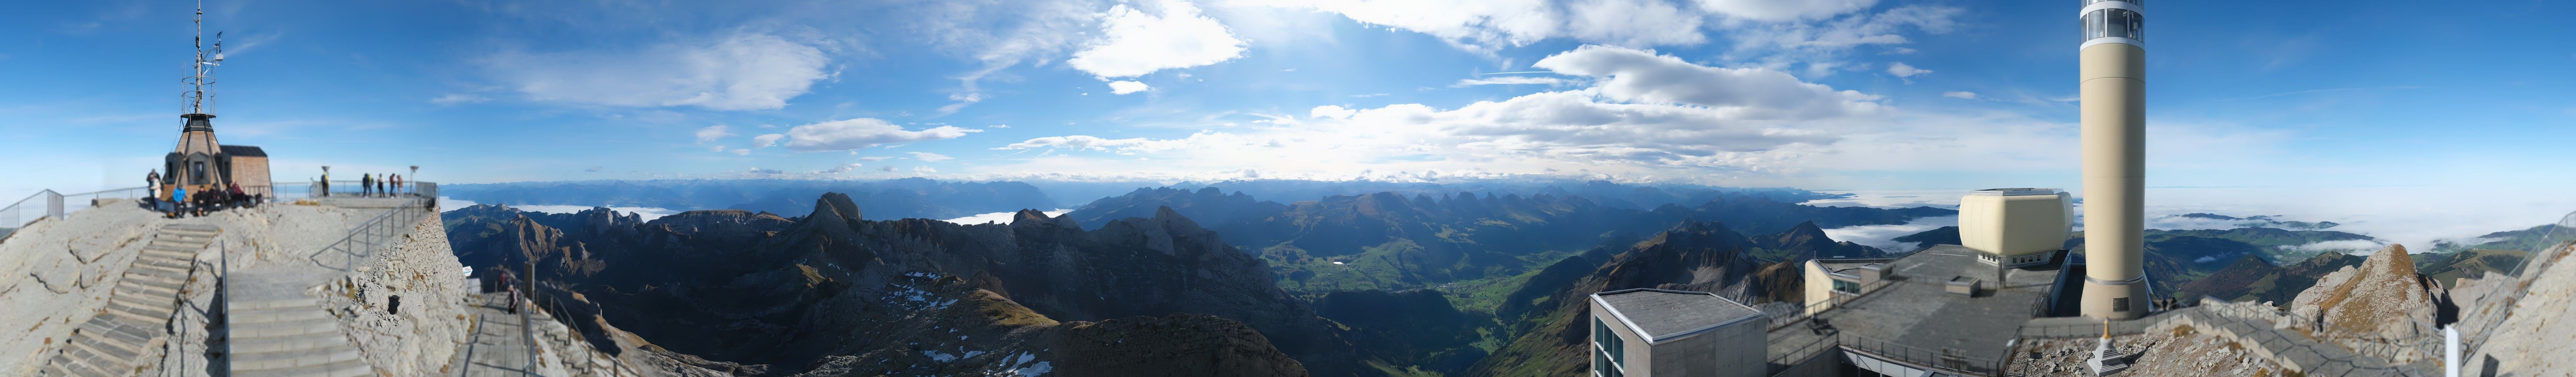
column 347, row 368
column 175, row 246
column 289, row 343
column 103, row 349
column 165, row 282
column 157, row 270
column 253, row 361
column 93, row 361
column 137, row 313
column 247, row 305
column 181, row 264
column 283, row 329
column 114, row 330
column 182, row 240
column 65, row 365
column 276, row 315
column 163, row 304
column 157, row 251
column 192, row 228
column 144, row 290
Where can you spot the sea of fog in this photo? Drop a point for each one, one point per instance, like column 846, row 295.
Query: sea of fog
column 2414, row 216
column 650, row 213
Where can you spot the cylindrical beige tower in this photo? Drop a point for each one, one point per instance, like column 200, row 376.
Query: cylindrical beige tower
column 2115, row 145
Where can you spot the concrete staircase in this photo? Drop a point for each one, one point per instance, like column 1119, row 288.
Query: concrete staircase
column 289, row 337
column 137, row 316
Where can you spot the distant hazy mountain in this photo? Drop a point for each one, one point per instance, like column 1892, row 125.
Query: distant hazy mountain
column 2257, row 221
column 831, row 293
column 893, row 199
column 1605, row 193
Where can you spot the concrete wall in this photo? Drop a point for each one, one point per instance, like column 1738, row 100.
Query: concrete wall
column 1820, row 288
column 1640, row 356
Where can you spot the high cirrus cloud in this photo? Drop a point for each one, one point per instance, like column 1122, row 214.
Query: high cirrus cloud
column 1139, row 39
column 740, row 70
column 859, row 133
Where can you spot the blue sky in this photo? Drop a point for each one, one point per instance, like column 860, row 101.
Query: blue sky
column 1844, row 94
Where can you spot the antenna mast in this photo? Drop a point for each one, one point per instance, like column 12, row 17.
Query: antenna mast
column 200, row 98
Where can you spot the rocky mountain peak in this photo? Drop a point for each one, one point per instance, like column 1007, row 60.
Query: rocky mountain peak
column 2378, row 297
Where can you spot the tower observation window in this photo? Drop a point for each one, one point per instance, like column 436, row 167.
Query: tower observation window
column 2123, row 23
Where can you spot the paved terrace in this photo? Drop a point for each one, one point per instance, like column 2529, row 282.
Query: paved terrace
column 1911, row 311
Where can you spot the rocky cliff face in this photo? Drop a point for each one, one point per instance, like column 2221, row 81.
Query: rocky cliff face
column 2378, row 297
column 832, row 291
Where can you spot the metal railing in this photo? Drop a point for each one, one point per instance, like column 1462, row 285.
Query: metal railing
column 2561, row 239
column 55, row 205
column 1946, row 359
column 365, row 239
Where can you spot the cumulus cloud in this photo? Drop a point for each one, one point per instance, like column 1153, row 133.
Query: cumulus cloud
column 1902, row 70
column 1511, row 80
column 762, row 171
column 739, row 70
column 862, row 133
column 766, row 140
column 1783, row 10
column 1135, row 41
column 711, row 133
column 930, row 157
column 1960, row 95
column 1642, row 76
column 1124, row 87
column 1488, row 25
column 1643, row 110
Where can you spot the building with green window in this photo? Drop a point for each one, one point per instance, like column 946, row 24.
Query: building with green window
column 1666, row 333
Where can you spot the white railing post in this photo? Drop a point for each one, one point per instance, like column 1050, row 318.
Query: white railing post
column 53, row 204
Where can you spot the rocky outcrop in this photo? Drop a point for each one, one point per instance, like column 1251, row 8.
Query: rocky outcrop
column 2383, row 297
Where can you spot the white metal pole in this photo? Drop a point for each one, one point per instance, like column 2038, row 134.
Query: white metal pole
column 2450, row 351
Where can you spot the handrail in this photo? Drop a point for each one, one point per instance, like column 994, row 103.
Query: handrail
column 363, row 240
column 1949, row 360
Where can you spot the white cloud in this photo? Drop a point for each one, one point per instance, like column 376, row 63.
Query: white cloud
column 862, row 133
column 740, row 70
column 875, row 158
column 1135, row 41
column 840, row 169
column 1902, row 70
column 1884, row 237
column 1124, row 87
column 762, row 171
column 1783, row 10
column 1511, row 80
column 1960, row 95
column 766, row 140
column 1330, row 111
column 1201, row 140
column 1642, row 76
column 720, row 148
column 711, row 133
column 456, row 98
column 742, row 152
column 924, row 170
column 930, row 157
column 998, row 126
column 2344, row 245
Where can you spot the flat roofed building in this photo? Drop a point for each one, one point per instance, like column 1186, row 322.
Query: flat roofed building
column 2016, row 227
column 1831, row 281
column 1667, row 333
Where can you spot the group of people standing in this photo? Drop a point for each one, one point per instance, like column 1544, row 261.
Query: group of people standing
column 370, row 185
column 181, row 202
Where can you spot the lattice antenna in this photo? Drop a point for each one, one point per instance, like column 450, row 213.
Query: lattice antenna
column 200, row 97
